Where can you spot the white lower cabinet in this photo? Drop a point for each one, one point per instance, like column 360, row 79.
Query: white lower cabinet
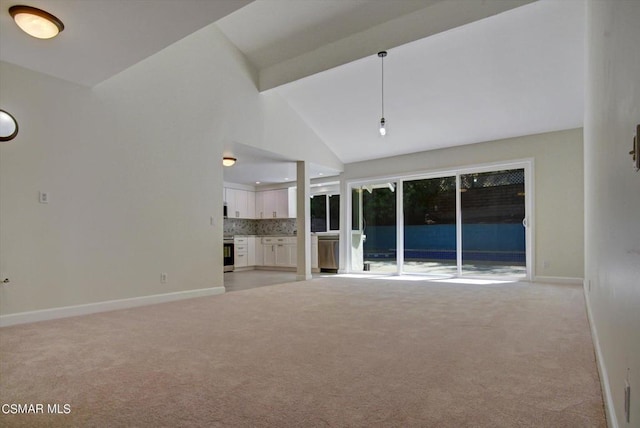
column 251, row 250
column 285, row 255
column 281, row 251
column 269, row 255
column 241, row 251
column 270, row 251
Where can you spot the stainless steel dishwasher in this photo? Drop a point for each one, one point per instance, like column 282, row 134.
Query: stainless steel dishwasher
column 328, row 253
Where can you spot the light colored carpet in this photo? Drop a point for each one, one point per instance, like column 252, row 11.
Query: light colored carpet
column 327, row 352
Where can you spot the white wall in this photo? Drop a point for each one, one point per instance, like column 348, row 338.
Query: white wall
column 558, row 176
column 612, row 201
column 133, row 169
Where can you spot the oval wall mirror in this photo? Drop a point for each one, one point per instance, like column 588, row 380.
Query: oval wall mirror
column 8, row 126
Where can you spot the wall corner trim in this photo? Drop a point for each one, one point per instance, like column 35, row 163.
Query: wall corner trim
column 610, row 413
column 109, row 305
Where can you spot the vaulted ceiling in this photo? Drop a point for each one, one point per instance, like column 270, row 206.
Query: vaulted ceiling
column 458, row 71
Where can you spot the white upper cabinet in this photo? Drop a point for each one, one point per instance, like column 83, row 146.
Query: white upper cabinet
column 274, row 204
column 278, row 203
column 240, row 203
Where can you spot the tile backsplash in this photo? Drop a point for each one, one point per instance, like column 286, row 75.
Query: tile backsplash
column 239, row 226
column 242, row 226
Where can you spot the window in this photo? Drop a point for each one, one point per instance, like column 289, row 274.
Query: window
column 325, row 213
column 334, row 212
column 319, row 213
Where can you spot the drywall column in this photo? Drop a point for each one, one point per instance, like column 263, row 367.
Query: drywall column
column 612, row 201
column 303, row 213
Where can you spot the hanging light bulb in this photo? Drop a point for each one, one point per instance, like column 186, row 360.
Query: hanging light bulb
column 383, row 129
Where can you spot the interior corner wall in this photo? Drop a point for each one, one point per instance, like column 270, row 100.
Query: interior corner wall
column 133, row 172
column 558, row 189
column 612, row 200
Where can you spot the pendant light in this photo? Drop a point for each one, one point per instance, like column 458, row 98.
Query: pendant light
column 383, row 123
column 36, row 22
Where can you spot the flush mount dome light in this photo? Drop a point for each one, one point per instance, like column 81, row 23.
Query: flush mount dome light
column 8, row 126
column 36, row 22
column 228, row 161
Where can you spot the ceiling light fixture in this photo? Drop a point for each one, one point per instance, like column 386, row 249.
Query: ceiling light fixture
column 36, row 22
column 383, row 123
column 228, row 161
column 8, row 126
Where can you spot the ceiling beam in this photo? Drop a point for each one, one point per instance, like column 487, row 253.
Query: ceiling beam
column 434, row 19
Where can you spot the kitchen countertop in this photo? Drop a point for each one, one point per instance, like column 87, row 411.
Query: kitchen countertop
column 274, row 234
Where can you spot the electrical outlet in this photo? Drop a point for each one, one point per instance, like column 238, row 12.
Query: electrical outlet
column 44, row 197
column 163, row 278
column 546, row 264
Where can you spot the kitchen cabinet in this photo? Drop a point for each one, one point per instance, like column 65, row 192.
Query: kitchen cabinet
column 241, row 251
column 279, row 251
column 279, row 203
column 240, row 203
column 269, row 255
column 282, row 251
column 260, row 205
column 251, row 250
column 285, row 255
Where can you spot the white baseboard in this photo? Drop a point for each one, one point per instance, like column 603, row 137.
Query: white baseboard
column 612, row 420
column 110, row 305
column 558, row 280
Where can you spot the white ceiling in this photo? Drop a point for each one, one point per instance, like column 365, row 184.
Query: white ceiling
column 282, row 29
column 256, row 165
column 451, row 76
column 104, row 37
column 516, row 73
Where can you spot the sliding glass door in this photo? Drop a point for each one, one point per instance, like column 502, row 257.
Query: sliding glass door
column 465, row 223
column 493, row 223
column 379, row 213
column 374, row 235
column 429, row 207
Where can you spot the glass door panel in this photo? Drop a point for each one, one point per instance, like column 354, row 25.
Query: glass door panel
column 493, row 233
column 379, row 227
column 429, row 208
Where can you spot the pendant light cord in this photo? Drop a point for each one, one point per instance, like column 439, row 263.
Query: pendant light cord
column 382, row 54
column 382, row 58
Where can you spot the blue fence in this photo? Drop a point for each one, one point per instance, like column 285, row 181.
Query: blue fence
column 480, row 242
